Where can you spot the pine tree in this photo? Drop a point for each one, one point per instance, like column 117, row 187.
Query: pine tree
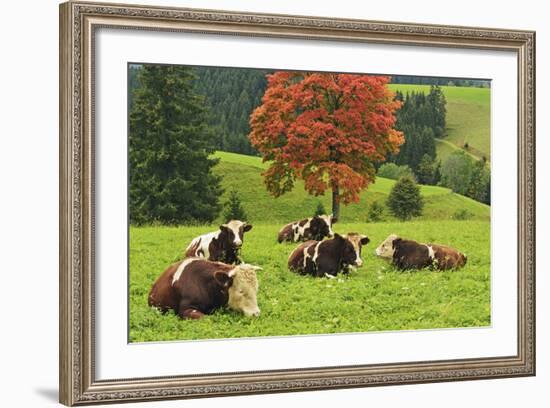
column 233, row 208
column 171, row 179
column 404, row 200
column 320, row 210
column 437, row 102
column 426, row 170
column 437, row 173
column 231, row 94
column 422, row 120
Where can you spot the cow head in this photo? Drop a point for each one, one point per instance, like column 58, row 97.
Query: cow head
column 242, row 293
column 357, row 241
column 321, row 226
column 234, row 231
column 387, row 248
column 346, row 251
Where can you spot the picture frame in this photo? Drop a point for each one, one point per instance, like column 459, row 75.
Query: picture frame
column 79, row 22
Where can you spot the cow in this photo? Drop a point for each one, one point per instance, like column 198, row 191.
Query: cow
column 196, row 287
column 328, row 257
column 408, row 254
column 222, row 245
column 313, row 228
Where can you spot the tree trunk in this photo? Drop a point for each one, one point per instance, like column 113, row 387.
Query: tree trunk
column 336, row 202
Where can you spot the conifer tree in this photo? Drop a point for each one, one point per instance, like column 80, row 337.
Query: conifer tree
column 171, row 179
column 233, row 208
column 426, row 170
column 320, row 210
column 405, row 200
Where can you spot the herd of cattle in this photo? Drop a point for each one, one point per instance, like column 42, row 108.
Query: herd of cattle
column 213, row 275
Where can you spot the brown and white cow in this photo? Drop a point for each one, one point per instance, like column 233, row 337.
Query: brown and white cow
column 327, row 258
column 195, row 287
column 313, row 228
column 408, row 254
column 222, row 245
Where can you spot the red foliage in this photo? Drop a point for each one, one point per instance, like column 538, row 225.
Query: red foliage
column 327, row 129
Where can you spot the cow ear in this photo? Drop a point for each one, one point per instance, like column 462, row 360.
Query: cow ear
column 223, row 227
column 364, row 240
column 396, row 241
column 247, row 227
column 223, row 279
column 333, row 219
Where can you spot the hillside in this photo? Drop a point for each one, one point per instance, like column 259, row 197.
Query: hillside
column 243, row 173
column 468, row 118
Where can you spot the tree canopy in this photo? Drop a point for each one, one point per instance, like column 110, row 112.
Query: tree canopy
column 326, row 129
column 467, row 176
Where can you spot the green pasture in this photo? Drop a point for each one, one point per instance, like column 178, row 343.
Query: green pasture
column 468, row 117
column 373, row 298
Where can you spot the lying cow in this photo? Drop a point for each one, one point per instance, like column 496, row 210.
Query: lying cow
column 222, row 245
column 195, row 287
column 314, row 228
column 408, row 254
column 327, row 258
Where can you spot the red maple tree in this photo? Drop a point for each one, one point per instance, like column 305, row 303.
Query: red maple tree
column 326, row 129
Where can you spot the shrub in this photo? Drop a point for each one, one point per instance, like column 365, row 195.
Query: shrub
column 233, row 208
column 456, row 172
column 405, row 200
column 467, row 176
column 394, row 172
column 462, row 214
column 480, row 183
column 320, row 210
column 376, row 212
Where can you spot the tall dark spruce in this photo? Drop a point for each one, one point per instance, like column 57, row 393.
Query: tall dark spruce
column 171, row 178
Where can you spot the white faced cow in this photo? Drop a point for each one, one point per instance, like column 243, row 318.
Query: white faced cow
column 315, row 228
column 195, row 287
column 408, row 254
column 328, row 257
column 222, row 245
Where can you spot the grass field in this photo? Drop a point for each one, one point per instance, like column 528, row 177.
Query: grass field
column 468, row 117
column 440, row 203
column 375, row 297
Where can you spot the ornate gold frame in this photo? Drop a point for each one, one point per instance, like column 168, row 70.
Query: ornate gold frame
column 78, row 22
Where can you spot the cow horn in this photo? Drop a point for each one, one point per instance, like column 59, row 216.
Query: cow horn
column 253, row 267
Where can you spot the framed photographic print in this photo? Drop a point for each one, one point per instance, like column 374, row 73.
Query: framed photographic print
column 256, row 203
